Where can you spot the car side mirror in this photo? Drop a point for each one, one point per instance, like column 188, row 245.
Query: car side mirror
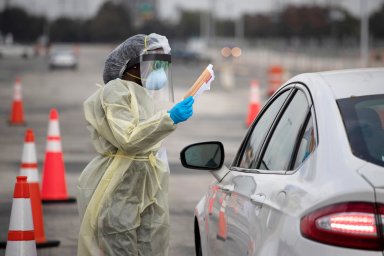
column 203, row 156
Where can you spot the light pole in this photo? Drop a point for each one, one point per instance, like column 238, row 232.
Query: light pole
column 364, row 34
column 239, row 27
column 212, row 22
column 205, row 25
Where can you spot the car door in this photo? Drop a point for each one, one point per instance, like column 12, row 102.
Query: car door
column 254, row 217
column 230, row 236
column 287, row 146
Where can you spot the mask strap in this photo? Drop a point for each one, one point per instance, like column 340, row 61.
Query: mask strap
column 145, row 43
column 131, row 75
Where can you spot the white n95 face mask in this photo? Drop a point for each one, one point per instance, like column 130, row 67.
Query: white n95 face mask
column 156, row 79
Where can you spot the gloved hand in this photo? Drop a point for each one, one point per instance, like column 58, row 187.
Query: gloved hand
column 182, row 110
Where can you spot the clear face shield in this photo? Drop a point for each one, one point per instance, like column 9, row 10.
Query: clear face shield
column 155, row 73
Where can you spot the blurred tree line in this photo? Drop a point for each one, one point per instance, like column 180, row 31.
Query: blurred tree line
column 304, row 22
column 114, row 23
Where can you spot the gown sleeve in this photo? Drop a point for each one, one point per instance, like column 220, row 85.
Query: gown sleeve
column 130, row 126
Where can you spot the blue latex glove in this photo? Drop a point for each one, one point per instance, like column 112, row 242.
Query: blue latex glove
column 182, row 110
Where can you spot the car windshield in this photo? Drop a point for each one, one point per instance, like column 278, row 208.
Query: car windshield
column 363, row 119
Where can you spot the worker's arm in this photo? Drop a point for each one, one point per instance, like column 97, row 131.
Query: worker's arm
column 133, row 130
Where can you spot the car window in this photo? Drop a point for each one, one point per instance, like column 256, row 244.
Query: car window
column 307, row 143
column 260, row 130
column 280, row 147
column 363, row 119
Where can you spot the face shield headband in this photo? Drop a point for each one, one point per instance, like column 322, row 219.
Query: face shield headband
column 159, row 60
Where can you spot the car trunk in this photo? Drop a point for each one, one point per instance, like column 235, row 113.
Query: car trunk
column 374, row 175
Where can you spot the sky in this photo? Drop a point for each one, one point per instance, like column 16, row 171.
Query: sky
column 56, row 8
column 233, row 8
column 169, row 8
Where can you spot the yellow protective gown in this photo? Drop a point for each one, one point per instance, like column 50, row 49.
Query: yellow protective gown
column 123, row 192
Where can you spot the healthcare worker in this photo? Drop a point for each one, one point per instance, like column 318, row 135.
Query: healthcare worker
column 123, row 192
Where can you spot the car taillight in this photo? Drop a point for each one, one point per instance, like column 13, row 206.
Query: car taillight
column 381, row 221
column 352, row 225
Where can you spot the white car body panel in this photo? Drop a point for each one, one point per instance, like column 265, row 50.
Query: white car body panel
column 374, row 175
column 263, row 211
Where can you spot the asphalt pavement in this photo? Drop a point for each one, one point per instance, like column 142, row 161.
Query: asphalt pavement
column 218, row 115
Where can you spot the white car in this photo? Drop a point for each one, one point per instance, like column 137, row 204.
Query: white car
column 308, row 178
column 63, row 58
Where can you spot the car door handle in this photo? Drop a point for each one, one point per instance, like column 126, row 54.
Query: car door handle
column 258, row 199
column 227, row 188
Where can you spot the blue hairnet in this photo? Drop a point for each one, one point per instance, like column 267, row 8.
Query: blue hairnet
column 132, row 47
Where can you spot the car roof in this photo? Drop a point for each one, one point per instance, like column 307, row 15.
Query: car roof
column 354, row 82
column 344, row 83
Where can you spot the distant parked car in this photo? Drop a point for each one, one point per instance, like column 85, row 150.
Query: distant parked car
column 308, row 177
column 185, row 55
column 63, row 58
column 16, row 50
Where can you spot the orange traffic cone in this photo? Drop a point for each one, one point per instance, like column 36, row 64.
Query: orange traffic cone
column 54, row 188
column 21, row 237
column 17, row 113
column 29, row 168
column 275, row 79
column 255, row 103
column 222, row 230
